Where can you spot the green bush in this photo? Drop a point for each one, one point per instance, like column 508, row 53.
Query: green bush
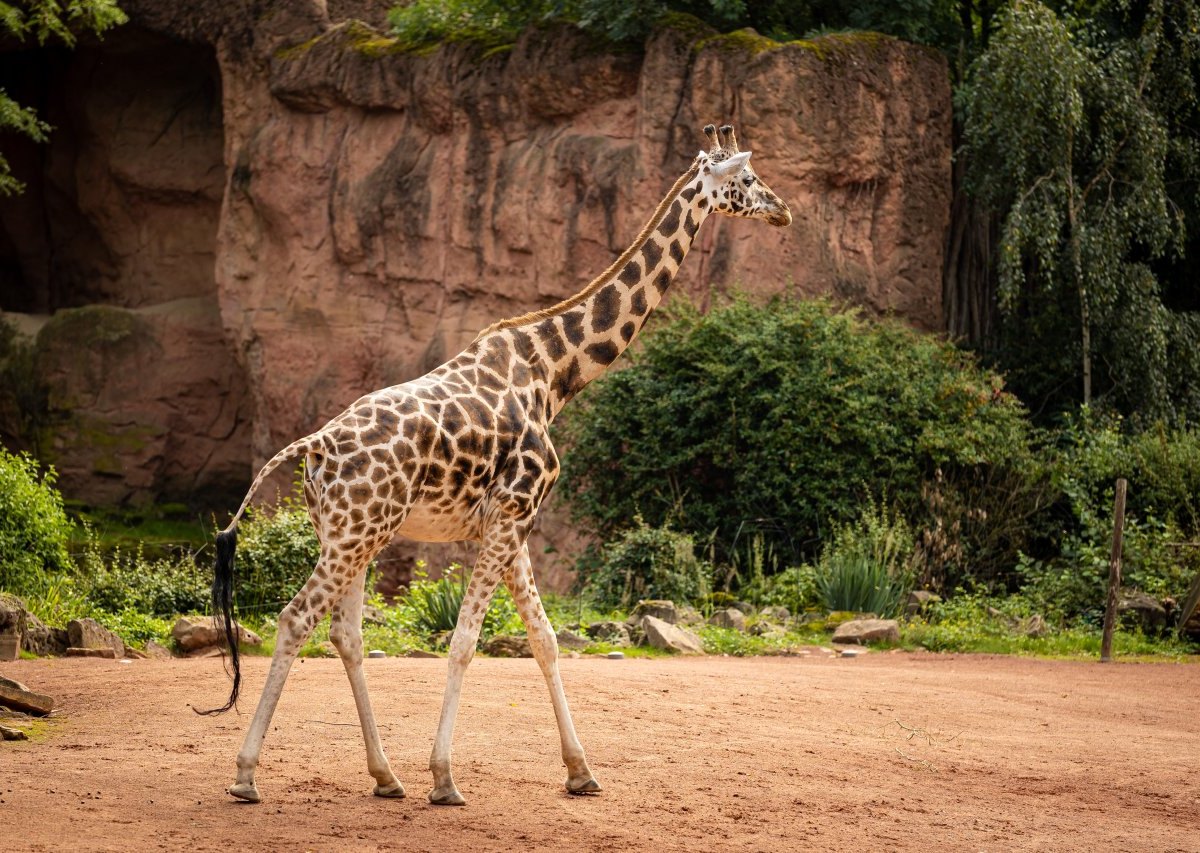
column 34, row 529
column 277, row 552
column 795, row 588
column 119, row 582
column 793, row 412
column 646, row 562
column 867, row 566
column 1068, row 579
column 431, row 607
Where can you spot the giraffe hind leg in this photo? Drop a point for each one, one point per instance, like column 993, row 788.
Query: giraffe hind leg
column 329, row 582
column 493, row 560
column 345, row 632
column 544, row 645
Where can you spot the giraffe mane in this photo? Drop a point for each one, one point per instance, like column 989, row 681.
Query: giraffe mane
column 604, row 277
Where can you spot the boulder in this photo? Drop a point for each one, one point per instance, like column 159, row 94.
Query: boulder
column 10, row 646
column 775, row 613
column 40, row 639
column 688, row 615
column 918, row 600
column 658, row 608
column 729, row 618
column 745, row 607
column 616, row 633
column 12, row 627
column 372, row 615
column 107, row 653
column 767, row 629
column 508, row 646
column 664, row 635
column 157, row 651
column 90, row 634
column 200, row 632
column 1035, row 626
column 571, row 640
column 1143, row 610
column 17, row 697
column 862, row 631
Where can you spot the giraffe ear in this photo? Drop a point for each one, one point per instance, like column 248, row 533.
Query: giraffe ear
column 731, row 165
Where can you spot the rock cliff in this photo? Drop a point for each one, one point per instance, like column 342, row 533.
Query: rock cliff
column 371, row 210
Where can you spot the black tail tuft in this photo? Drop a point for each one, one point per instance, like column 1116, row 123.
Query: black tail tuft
column 222, row 606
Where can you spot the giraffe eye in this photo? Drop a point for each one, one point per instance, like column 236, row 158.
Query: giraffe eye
column 748, row 181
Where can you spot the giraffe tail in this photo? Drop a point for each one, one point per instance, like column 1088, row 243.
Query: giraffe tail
column 223, row 566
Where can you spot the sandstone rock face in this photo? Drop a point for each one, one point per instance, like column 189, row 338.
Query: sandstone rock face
column 145, row 402
column 371, row 211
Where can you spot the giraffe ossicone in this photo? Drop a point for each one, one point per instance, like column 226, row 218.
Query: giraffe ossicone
column 464, row 453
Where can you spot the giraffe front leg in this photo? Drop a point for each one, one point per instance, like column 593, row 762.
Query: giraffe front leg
column 544, row 645
column 296, row 623
column 345, row 633
column 462, row 648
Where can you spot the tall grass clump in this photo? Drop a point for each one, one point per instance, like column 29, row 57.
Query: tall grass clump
column 867, row 567
column 432, row 606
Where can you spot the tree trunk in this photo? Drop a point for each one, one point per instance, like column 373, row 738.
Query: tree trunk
column 969, row 304
column 1085, row 321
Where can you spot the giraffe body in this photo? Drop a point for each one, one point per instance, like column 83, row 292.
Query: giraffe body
column 464, row 453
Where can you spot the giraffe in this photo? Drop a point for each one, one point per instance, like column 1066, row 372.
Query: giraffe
column 464, row 453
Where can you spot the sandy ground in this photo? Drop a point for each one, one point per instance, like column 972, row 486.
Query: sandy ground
column 884, row 752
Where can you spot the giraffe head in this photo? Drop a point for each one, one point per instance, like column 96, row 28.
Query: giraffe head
column 731, row 184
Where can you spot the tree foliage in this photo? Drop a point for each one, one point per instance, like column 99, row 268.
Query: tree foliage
column 1072, row 132
column 45, row 21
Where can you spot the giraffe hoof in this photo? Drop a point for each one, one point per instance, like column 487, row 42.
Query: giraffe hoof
column 446, row 797
column 245, row 791
column 393, row 791
column 583, row 785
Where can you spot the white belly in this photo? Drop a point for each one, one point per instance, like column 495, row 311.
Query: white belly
column 425, row 525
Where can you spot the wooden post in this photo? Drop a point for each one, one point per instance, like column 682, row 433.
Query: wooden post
column 1114, row 572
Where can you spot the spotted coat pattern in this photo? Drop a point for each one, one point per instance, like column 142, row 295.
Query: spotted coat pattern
column 464, row 453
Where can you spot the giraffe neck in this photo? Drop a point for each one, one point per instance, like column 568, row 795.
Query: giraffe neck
column 583, row 336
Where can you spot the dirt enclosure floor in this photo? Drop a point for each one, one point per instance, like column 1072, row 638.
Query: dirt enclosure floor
column 882, row 752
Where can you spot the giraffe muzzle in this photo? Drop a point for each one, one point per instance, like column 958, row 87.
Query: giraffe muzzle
column 781, row 217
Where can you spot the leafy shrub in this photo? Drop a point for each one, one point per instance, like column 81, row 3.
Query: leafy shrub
column 277, row 552
column 647, row 562
column 796, row 588
column 1068, row 580
column 34, row 529
column 431, row 607
column 122, row 582
column 794, row 411
column 136, row 627
column 867, row 567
